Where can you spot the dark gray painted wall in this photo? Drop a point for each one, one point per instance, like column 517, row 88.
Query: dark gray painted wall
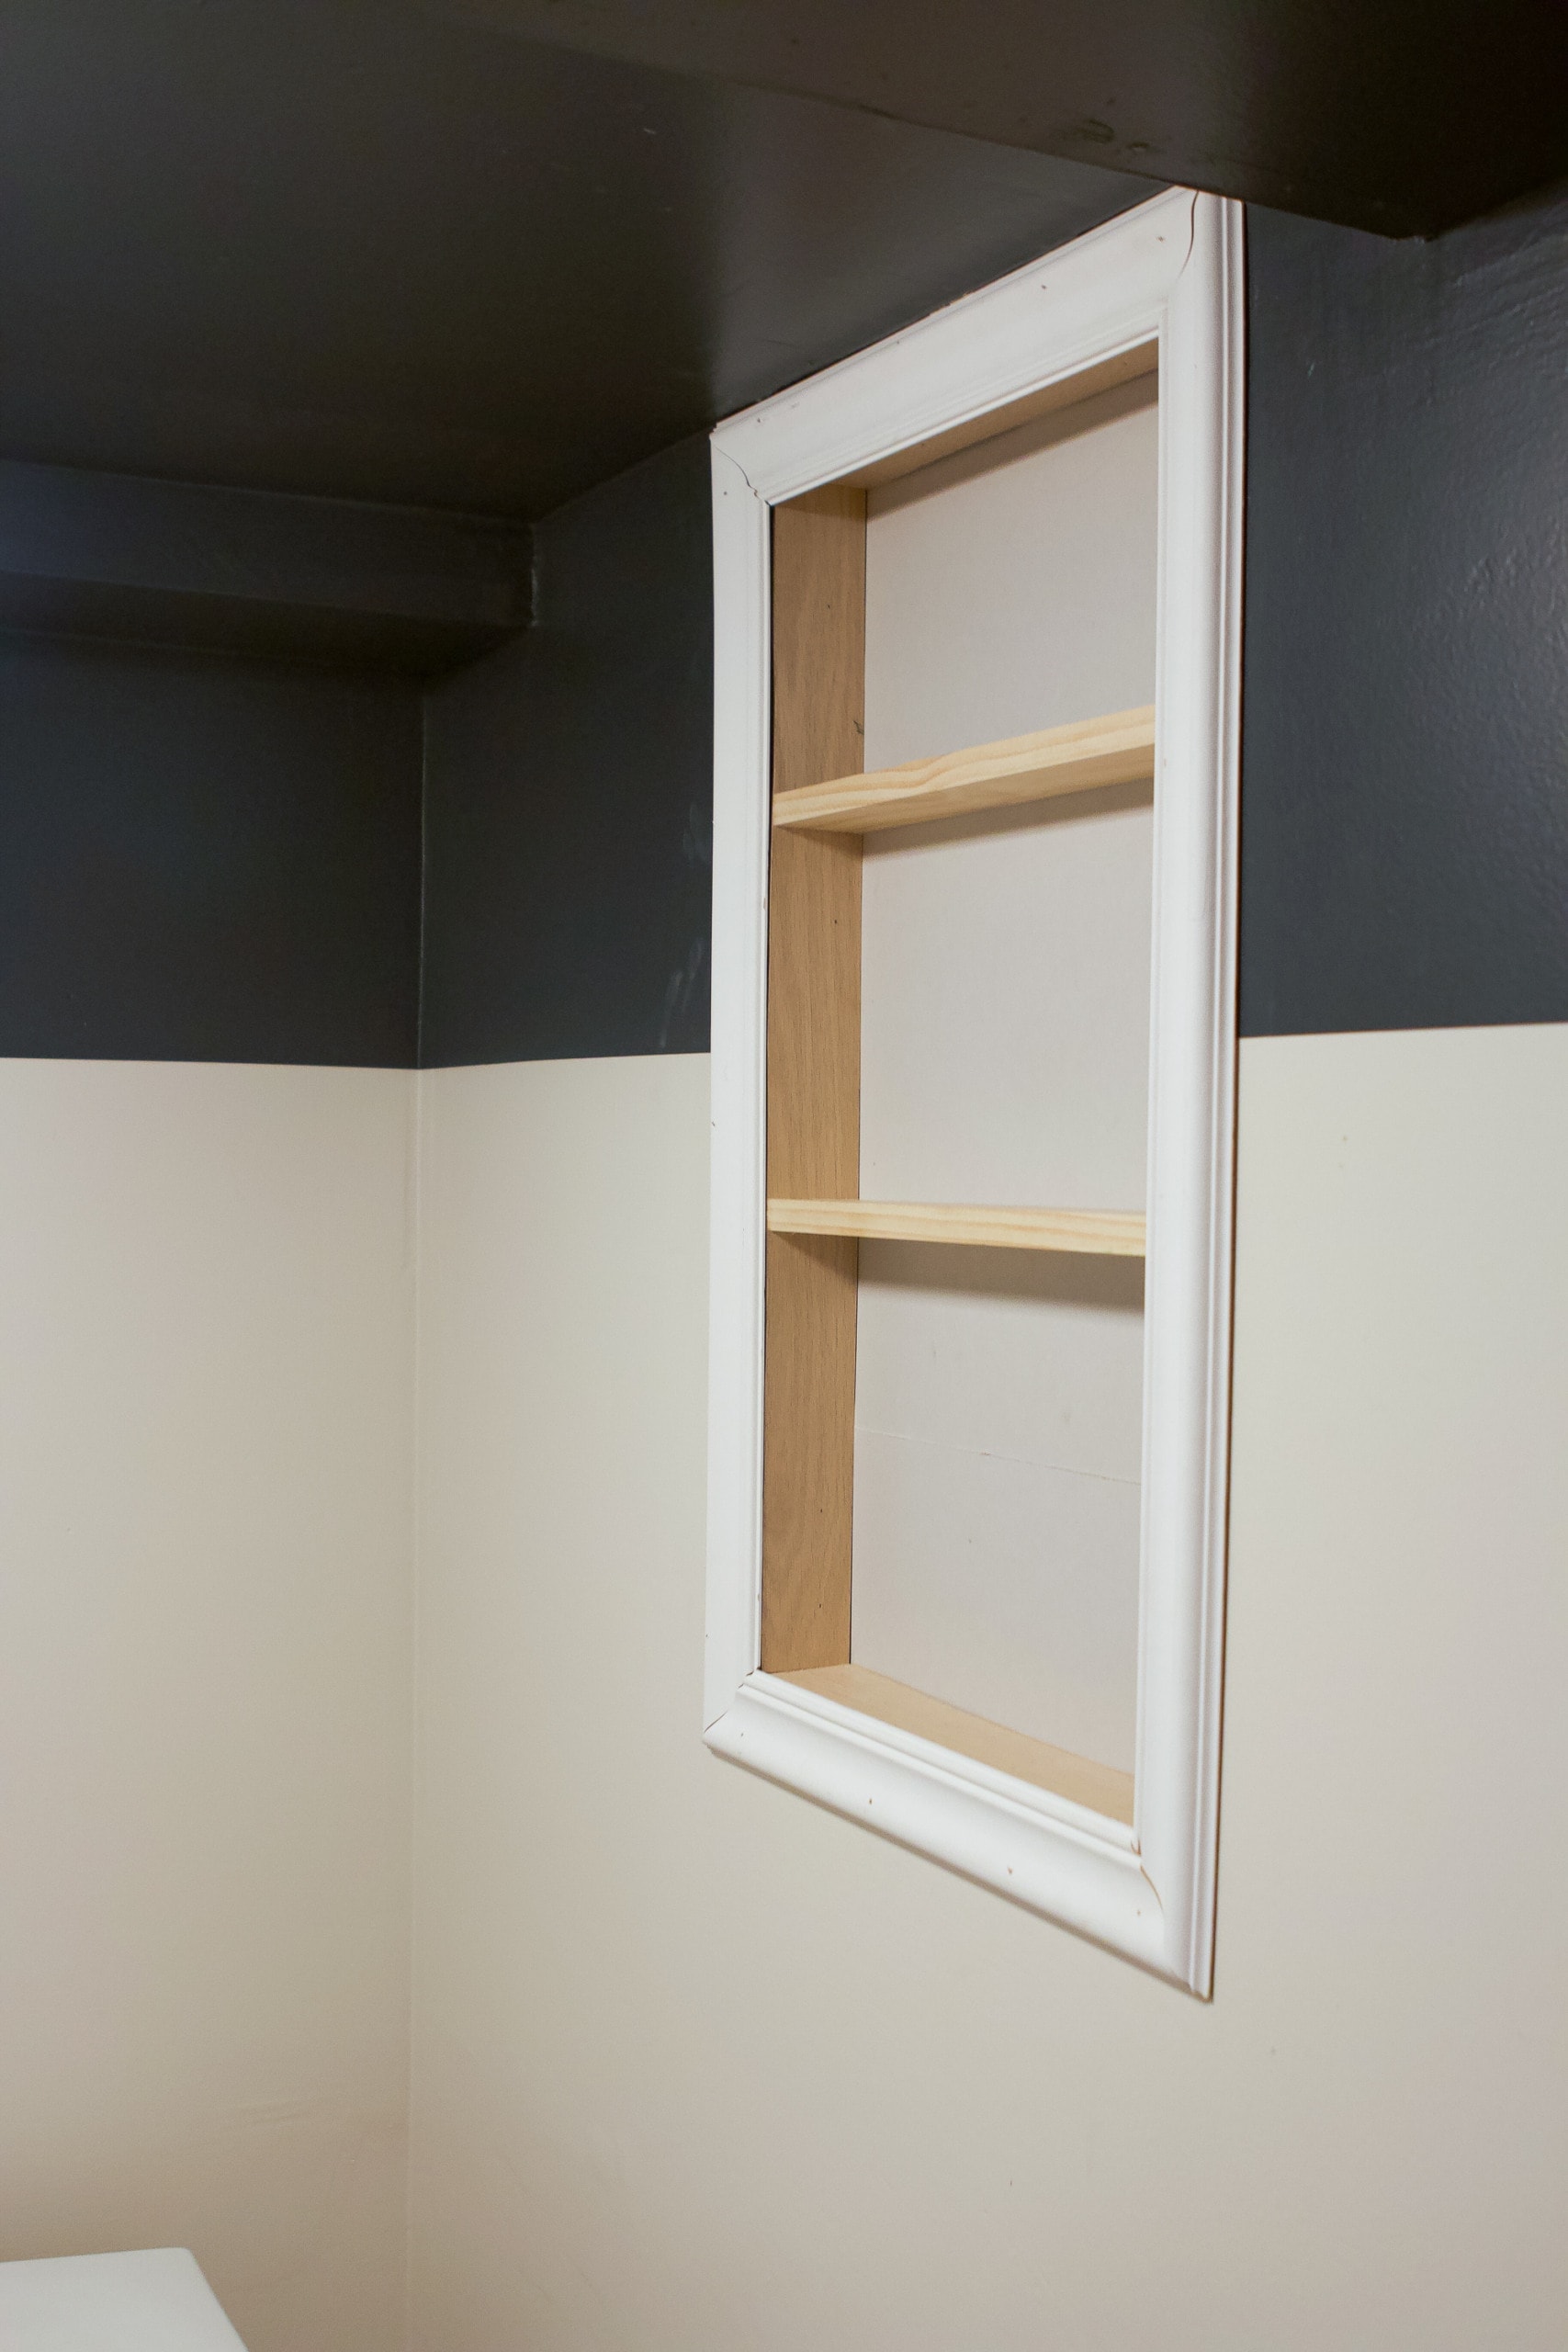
column 210, row 858
column 206, row 860
column 202, row 858
column 1405, row 811
column 1405, row 803
column 569, row 794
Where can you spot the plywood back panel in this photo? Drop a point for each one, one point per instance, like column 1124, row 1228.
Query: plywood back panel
column 1005, row 1059
column 1005, row 1036
column 1012, row 586
column 1006, row 966
column 999, row 1411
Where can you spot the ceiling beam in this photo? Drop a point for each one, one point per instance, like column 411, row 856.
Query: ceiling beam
column 256, row 571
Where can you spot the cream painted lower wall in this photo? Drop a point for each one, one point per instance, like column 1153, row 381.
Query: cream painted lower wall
column 206, row 1405
column 698, row 2065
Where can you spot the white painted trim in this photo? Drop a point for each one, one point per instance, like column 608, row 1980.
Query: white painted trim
column 1104, row 293
column 741, row 721
column 1172, row 270
column 1043, row 1852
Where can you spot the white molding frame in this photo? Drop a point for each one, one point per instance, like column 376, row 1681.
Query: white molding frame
column 1171, row 270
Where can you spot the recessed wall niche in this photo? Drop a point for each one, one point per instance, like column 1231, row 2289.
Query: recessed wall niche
column 977, row 623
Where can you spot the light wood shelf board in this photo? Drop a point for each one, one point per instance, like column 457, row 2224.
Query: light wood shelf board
column 1099, row 1787
column 1105, row 1233
column 1089, row 755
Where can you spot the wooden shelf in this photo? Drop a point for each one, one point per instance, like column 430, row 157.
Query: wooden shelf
column 1106, row 1233
column 1088, row 756
column 1099, row 1787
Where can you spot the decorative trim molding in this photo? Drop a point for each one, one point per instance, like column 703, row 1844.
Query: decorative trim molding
column 1172, row 271
column 741, row 832
column 1105, row 293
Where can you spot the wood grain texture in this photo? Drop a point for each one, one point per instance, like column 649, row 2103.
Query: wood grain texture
column 814, row 955
column 1086, row 756
column 1100, row 1787
column 808, row 1451
column 1106, row 1233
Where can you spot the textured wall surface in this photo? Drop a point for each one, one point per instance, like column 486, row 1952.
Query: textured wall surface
column 695, row 2062
column 212, row 860
column 206, row 860
column 1404, row 795
column 569, row 794
column 699, row 2065
column 206, row 1540
column 1404, row 809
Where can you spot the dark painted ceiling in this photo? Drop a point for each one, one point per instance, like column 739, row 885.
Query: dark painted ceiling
column 402, row 250
column 360, row 250
column 1401, row 116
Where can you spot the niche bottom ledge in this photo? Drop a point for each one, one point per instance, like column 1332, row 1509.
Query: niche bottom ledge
column 1099, row 1788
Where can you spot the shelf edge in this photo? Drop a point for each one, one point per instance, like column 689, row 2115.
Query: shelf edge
column 1112, row 1233
column 1090, row 755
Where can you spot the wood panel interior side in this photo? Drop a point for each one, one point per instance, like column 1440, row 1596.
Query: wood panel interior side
column 813, row 957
